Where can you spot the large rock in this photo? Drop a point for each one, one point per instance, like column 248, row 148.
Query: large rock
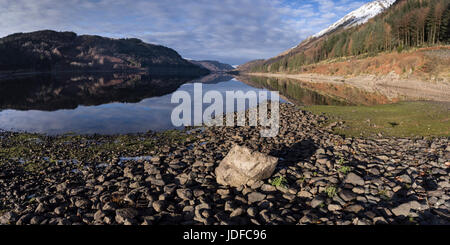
column 354, row 179
column 242, row 164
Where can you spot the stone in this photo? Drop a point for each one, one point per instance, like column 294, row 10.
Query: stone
column 379, row 221
column 8, row 218
column 251, row 211
column 402, row 209
column 237, row 212
column 354, row 208
column 241, row 165
column 158, row 205
column 41, row 208
column 125, row 215
column 99, row 215
column 255, row 197
column 305, row 194
column 358, row 190
column 184, row 194
column 354, row 179
column 268, row 188
column 82, row 203
column 405, row 179
column 347, row 195
column 334, row 207
column 202, row 212
column 36, row 220
column 59, row 210
column 316, row 202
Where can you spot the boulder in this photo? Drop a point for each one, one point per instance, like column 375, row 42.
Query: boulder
column 242, row 164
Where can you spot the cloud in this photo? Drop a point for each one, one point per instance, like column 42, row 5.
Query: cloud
column 233, row 31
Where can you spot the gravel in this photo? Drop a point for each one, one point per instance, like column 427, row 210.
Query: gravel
column 391, row 180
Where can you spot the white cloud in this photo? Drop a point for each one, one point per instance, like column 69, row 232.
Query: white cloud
column 232, row 31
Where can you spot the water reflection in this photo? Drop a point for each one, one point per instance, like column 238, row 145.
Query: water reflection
column 98, row 103
column 67, row 91
column 307, row 93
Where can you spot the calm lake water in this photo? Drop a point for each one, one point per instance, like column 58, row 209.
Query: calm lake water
column 107, row 103
column 99, row 103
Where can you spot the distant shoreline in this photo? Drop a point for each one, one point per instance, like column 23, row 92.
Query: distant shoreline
column 391, row 85
column 5, row 75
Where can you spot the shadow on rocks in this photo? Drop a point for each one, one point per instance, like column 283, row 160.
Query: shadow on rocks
column 290, row 155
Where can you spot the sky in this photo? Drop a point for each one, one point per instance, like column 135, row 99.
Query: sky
column 230, row 31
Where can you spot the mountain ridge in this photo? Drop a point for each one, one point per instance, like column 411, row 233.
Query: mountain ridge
column 213, row 65
column 358, row 16
column 405, row 24
column 52, row 51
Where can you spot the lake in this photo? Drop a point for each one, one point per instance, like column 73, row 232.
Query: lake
column 99, row 103
column 106, row 103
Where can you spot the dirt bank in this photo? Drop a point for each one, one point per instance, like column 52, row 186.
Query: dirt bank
column 391, row 85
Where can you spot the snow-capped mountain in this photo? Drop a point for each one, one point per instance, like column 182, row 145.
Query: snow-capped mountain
column 359, row 16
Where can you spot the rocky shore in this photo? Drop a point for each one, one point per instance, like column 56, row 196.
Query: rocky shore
column 169, row 178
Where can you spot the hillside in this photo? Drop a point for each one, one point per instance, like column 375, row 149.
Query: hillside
column 66, row 51
column 404, row 25
column 431, row 64
column 212, row 65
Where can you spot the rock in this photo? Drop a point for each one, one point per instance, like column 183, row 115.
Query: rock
column 61, row 187
column 251, row 211
column 358, row 190
column 304, row 194
column 223, row 192
column 82, row 203
column 41, row 208
column 405, row 179
column 185, row 194
column 334, row 207
column 374, row 171
column 354, row 208
column 347, row 195
column 402, row 210
column 8, row 218
column 202, row 212
column 126, row 215
column 159, row 205
column 354, row 179
column 241, row 165
column 255, row 197
column 36, row 220
column 316, row 202
column 268, row 188
column 99, row 215
column 237, row 212
column 59, row 210
column 24, row 219
column 379, row 221
column 383, row 157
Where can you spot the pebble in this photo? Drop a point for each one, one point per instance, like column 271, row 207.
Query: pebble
column 177, row 184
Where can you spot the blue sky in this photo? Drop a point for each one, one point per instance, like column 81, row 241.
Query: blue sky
column 231, row 31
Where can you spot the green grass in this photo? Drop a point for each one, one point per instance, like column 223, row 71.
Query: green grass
column 36, row 152
column 331, row 191
column 345, row 169
column 384, row 195
column 404, row 119
column 278, row 181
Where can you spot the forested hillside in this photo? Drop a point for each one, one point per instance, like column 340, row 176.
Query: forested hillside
column 406, row 24
column 66, row 51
